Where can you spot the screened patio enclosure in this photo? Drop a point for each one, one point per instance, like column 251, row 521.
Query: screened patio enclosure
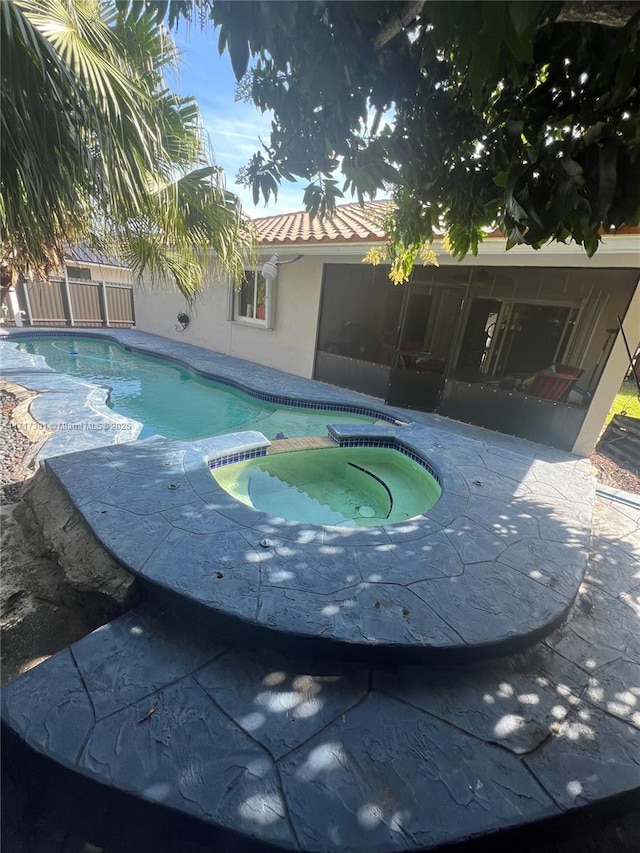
column 514, row 349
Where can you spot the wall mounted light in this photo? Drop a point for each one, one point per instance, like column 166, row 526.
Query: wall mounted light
column 184, row 320
column 270, row 269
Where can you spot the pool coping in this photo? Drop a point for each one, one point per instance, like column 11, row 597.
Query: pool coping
column 450, row 585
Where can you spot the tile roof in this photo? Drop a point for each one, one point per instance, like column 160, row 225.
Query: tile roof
column 351, row 223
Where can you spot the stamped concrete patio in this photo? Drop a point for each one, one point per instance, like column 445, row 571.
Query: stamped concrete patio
column 325, row 738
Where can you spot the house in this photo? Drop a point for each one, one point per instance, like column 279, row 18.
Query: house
column 525, row 342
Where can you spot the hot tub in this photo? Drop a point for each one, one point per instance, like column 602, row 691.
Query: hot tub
column 347, row 487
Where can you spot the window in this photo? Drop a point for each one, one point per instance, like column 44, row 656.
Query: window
column 79, row 273
column 252, row 302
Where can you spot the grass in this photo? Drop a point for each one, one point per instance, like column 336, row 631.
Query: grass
column 626, row 402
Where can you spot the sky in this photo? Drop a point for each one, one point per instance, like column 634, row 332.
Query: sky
column 234, row 129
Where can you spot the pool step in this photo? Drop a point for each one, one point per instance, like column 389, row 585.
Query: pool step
column 320, row 755
column 267, row 489
column 287, row 445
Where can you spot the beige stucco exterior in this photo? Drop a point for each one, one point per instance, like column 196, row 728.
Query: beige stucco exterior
column 288, row 346
column 104, row 272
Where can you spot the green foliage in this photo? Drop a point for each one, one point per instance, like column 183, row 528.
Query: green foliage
column 263, row 176
column 503, row 114
column 95, row 148
column 320, row 197
column 626, row 402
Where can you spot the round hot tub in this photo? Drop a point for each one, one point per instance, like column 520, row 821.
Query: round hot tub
column 347, row 487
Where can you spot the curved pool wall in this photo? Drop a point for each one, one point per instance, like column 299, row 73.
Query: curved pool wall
column 491, row 568
column 346, row 487
column 172, row 398
column 447, row 586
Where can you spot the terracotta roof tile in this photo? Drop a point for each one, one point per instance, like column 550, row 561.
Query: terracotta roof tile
column 350, row 224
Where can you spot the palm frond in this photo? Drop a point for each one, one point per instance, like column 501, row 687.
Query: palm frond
column 195, row 217
column 96, row 148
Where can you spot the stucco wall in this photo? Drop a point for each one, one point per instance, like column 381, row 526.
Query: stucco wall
column 157, row 308
column 289, row 346
column 117, row 275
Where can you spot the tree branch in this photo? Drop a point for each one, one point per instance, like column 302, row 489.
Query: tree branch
column 612, row 14
column 396, row 25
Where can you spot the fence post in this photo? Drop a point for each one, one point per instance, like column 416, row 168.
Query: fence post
column 27, row 302
column 66, row 299
column 104, row 305
column 133, row 305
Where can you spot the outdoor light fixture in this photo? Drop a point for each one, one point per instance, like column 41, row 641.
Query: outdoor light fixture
column 270, row 269
column 183, row 319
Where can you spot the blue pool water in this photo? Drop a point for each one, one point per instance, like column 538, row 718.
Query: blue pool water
column 172, row 401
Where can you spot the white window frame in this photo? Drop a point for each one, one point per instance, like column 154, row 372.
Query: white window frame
column 254, row 273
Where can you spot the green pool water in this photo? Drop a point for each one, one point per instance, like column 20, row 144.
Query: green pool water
column 349, row 487
column 172, row 401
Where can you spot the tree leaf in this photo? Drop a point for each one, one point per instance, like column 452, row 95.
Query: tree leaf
column 482, row 68
column 523, row 15
column 496, row 108
column 608, row 176
column 239, row 53
column 591, row 243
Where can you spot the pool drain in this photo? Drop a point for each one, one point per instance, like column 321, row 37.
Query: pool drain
column 366, row 511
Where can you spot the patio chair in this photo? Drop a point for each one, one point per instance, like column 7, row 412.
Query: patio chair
column 552, row 385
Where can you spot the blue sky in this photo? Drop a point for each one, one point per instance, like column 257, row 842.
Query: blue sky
column 234, row 128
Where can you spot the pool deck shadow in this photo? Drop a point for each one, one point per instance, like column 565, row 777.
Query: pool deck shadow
column 321, row 736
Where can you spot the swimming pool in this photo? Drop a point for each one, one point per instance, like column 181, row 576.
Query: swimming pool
column 172, row 401
column 347, row 487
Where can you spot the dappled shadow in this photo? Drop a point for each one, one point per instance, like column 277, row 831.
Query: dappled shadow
column 356, row 755
column 326, row 755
